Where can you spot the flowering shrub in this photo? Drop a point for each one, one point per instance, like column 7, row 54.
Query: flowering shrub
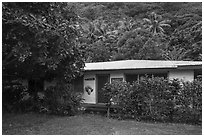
column 157, row 99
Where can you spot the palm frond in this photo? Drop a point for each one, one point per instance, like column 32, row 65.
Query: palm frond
column 165, row 25
column 165, row 21
column 147, row 20
column 161, row 29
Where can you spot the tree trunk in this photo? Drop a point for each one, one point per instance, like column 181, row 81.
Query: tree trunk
column 108, row 112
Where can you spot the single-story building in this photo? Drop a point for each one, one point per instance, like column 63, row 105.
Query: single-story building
column 97, row 74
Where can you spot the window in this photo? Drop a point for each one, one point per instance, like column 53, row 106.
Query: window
column 116, row 79
column 135, row 77
column 164, row 75
column 131, row 78
column 145, row 75
column 197, row 73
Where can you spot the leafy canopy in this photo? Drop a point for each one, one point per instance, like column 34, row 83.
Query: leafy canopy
column 41, row 37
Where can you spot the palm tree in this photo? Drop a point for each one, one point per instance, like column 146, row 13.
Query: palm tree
column 101, row 29
column 96, row 30
column 155, row 23
column 127, row 25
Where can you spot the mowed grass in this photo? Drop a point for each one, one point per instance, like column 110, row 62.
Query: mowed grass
column 88, row 124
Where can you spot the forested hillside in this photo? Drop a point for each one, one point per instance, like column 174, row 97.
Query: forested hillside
column 156, row 31
column 56, row 39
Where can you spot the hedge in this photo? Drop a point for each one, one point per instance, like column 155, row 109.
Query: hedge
column 157, row 99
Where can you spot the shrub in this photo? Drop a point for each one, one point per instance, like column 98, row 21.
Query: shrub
column 62, row 100
column 12, row 95
column 117, row 93
column 151, row 98
column 189, row 102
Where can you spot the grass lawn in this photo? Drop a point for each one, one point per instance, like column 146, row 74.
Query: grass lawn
column 92, row 124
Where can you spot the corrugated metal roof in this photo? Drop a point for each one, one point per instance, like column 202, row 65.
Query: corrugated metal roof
column 138, row 64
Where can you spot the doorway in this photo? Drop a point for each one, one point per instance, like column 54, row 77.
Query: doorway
column 101, row 81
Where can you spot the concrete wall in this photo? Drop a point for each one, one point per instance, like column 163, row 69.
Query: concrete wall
column 185, row 75
column 90, row 80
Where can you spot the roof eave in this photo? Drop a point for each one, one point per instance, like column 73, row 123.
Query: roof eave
column 190, row 66
column 173, row 67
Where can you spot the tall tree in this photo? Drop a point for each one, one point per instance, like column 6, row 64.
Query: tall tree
column 40, row 39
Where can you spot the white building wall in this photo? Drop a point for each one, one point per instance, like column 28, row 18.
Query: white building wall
column 185, row 75
column 90, row 80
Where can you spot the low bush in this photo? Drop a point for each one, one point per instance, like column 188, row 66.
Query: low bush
column 62, row 100
column 12, row 95
column 59, row 99
column 157, row 99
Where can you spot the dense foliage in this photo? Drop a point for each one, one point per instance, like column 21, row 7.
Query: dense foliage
column 42, row 38
column 157, row 99
column 62, row 100
column 158, row 31
column 39, row 42
column 47, row 38
column 59, row 99
column 12, row 95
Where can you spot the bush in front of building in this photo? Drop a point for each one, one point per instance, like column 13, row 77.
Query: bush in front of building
column 62, row 100
column 12, row 96
column 151, row 99
column 189, row 103
column 157, row 99
column 117, row 93
column 59, row 99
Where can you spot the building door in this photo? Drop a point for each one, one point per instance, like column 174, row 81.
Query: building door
column 102, row 80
